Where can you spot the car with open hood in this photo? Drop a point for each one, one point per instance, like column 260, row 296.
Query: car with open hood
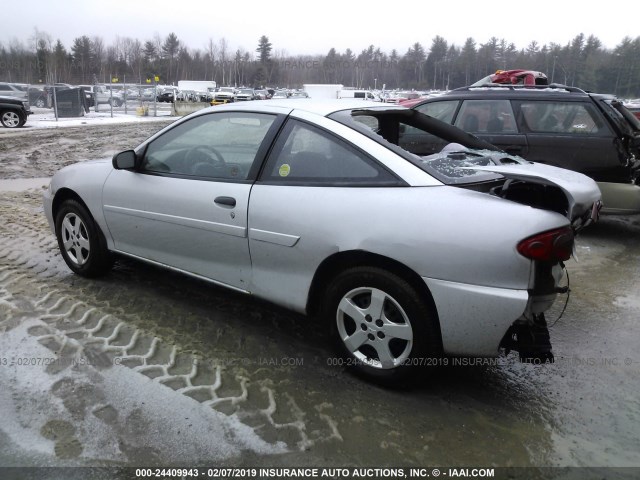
column 318, row 206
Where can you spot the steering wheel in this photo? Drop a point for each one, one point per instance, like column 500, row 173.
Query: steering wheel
column 200, row 159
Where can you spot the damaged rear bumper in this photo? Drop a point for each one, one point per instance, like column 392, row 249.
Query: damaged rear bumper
column 477, row 320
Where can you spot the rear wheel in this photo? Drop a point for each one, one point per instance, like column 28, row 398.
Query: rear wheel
column 382, row 327
column 40, row 103
column 81, row 242
column 11, row 119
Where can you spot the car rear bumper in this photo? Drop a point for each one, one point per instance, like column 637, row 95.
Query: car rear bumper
column 474, row 318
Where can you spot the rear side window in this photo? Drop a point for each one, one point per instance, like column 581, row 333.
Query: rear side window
column 486, row 116
column 305, row 154
column 572, row 118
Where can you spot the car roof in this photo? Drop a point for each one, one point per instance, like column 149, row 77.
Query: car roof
column 318, row 107
column 518, row 90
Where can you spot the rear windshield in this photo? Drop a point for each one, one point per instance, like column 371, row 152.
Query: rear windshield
column 445, row 152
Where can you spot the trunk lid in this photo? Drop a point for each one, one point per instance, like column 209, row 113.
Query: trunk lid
column 581, row 192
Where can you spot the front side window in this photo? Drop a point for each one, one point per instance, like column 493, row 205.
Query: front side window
column 304, row 154
column 218, row 145
column 571, row 118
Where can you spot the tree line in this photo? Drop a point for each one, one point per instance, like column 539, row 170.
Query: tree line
column 583, row 62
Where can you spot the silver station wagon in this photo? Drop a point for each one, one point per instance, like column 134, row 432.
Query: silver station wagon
column 314, row 206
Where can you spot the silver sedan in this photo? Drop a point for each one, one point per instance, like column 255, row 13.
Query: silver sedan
column 322, row 207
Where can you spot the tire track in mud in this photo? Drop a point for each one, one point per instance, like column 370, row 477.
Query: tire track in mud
column 106, row 323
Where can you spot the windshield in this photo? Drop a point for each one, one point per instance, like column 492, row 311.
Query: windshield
column 442, row 150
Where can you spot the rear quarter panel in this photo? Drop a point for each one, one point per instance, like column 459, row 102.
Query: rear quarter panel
column 443, row 232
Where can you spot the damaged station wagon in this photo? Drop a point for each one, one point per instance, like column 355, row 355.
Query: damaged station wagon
column 590, row 133
column 314, row 206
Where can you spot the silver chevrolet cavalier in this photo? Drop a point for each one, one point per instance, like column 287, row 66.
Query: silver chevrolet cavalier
column 322, row 207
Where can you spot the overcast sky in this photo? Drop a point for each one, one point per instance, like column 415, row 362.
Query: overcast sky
column 298, row 27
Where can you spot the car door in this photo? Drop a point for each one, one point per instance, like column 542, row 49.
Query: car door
column 185, row 205
column 572, row 135
column 314, row 191
column 494, row 121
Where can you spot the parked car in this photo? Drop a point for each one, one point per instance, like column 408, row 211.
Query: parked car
column 132, row 93
column 398, row 97
column 148, row 94
column 103, row 94
column 166, row 96
column 223, row 95
column 13, row 112
column 244, row 94
column 38, row 97
column 11, row 90
column 36, row 94
column 562, row 126
column 298, row 94
column 314, row 206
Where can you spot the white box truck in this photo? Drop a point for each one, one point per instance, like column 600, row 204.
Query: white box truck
column 319, row 91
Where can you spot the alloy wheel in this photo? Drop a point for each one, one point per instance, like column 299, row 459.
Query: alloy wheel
column 374, row 328
column 75, row 238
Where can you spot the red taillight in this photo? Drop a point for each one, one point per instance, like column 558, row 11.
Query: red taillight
column 554, row 245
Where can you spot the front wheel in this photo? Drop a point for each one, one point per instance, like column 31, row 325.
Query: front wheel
column 11, row 119
column 81, row 242
column 383, row 328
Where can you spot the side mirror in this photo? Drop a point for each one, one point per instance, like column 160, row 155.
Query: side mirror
column 124, row 160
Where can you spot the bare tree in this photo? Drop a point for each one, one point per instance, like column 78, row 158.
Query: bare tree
column 223, row 47
column 212, row 52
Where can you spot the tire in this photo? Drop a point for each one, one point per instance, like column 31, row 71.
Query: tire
column 80, row 240
column 40, row 103
column 11, row 119
column 388, row 341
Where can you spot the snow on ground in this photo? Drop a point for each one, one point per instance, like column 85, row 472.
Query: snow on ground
column 45, row 118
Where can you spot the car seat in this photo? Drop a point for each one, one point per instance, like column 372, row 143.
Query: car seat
column 471, row 123
column 495, row 125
